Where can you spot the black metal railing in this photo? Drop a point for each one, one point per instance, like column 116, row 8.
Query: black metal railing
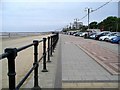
column 11, row 54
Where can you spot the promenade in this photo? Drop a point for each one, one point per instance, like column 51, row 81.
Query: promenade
column 78, row 63
column 83, row 69
column 72, row 66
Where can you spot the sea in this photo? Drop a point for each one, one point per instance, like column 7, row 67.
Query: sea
column 20, row 34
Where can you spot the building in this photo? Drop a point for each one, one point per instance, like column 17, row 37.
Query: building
column 77, row 25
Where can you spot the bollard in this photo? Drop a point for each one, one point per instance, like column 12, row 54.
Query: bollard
column 36, row 86
column 44, row 56
column 11, row 66
column 51, row 44
column 48, row 49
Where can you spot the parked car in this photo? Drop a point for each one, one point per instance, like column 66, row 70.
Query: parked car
column 116, row 40
column 92, row 36
column 71, row 33
column 111, row 37
column 82, row 34
column 77, row 33
column 97, row 36
column 103, row 38
column 108, row 39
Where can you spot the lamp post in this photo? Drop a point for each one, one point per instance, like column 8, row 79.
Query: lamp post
column 70, row 25
column 88, row 11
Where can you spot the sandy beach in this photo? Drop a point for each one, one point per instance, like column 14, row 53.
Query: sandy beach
column 24, row 59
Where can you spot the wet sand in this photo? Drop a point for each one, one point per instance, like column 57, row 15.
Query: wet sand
column 24, row 59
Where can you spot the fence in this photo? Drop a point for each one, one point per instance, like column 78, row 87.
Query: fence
column 11, row 54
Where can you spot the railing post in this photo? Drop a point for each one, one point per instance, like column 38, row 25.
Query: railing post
column 11, row 66
column 54, row 42
column 44, row 54
column 36, row 86
column 48, row 49
column 57, row 36
column 51, row 44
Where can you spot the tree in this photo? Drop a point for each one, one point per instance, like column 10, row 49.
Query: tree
column 93, row 25
column 118, row 24
column 109, row 24
column 84, row 28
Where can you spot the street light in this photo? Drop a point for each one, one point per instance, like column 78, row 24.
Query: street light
column 88, row 11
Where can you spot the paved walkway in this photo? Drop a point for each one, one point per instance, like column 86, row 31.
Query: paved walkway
column 79, row 69
column 72, row 67
column 104, row 56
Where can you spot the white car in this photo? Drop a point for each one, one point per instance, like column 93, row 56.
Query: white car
column 82, row 34
column 112, row 36
column 107, row 36
column 104, row 37
column 92, row 36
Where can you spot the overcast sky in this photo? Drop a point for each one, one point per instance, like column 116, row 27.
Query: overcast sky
column 48, row 15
